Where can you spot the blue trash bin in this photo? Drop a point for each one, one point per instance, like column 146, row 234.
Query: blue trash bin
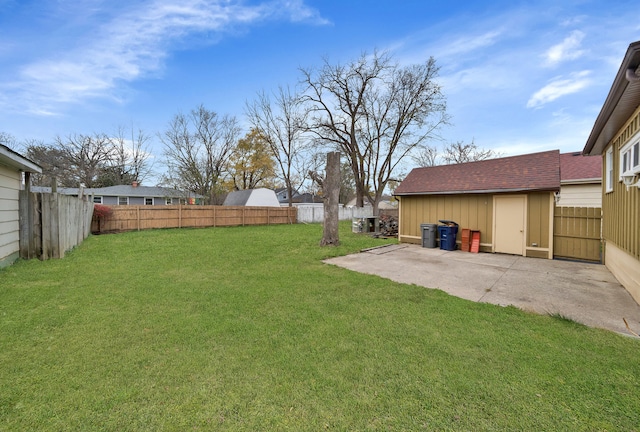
column 448, row 232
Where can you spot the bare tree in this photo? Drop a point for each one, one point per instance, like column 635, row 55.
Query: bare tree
column 426, row 156
column 376, row 112
column 459, row 152
column 85, row 157
column 53, row 162
column 282, row 122
column 130, row 157
column 197, row 148
column 8, row 140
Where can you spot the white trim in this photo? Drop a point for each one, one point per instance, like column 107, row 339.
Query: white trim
column 121, row 197
column 608, row 172
column 149, row 198
column 97, row 199
column 631, row 163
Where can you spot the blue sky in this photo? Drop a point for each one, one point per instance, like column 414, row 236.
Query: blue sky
column 518, row 76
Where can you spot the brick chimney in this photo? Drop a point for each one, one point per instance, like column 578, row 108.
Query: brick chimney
column 135, row 184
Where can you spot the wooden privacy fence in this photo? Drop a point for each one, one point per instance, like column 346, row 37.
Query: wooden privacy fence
column 132, row 218
column 52, row 224
column 577, row 233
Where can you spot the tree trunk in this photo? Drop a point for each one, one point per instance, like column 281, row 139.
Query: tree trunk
column 331, row 191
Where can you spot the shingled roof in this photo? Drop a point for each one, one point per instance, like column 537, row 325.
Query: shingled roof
column 530, row 172
column 575, row 167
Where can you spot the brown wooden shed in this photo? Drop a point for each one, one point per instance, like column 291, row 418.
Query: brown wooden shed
column 509, row 200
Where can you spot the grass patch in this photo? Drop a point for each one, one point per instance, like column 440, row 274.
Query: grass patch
column 246, row 329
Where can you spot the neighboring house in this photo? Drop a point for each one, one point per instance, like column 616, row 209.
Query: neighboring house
column 12, row 165
column 616, row 138
column 297, row 197
column 283, row 195
column 386, row 203
column 509, row 200
column 260, row 197
column 132, row 194
column 580, row 180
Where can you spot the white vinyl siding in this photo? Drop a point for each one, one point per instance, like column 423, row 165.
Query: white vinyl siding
column 9, row 226
column 585, row 195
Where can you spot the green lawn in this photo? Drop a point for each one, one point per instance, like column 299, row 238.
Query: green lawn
column 246, row 329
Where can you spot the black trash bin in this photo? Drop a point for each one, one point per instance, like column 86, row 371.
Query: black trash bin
column 448, row 232
column 429, row 234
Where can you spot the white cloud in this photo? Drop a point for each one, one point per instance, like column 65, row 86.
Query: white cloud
column 568, row 49
column 134, row 44
column 469, row 44
column 559, row 87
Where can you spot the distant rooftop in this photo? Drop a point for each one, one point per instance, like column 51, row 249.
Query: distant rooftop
column 576, row 166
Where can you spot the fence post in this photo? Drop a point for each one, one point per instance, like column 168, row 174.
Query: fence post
column 26, row 226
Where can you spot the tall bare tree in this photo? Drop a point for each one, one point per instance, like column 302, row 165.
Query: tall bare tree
column 282, row 122
column 197, row 148
column 426, row 156
column 8, row 140
column 130, row 158
column 53, row 162
column 85, row 157
column 376, row 112
column 459, row 152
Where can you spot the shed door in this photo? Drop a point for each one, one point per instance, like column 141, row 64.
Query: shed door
column 509, row 224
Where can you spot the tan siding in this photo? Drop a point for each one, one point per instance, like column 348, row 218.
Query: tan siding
column 469, row 211
column 476, row 212
column 538, row 220
column 621, row 207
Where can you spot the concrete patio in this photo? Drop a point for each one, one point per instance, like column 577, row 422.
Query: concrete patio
column 586, row 293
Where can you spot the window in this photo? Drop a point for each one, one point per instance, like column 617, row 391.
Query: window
column 97, row 199
column 123, row 200
column 148, row 201
column 167, row 201
column 630, row 157
column 609, row 170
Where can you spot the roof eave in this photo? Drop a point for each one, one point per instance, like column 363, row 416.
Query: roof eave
column 596, row 142
column 582, row 181
column 14, row 160
column 484, row 191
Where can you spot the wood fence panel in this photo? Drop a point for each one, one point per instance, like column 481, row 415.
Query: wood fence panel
column 52, row 224
column 30, row 225
column 130, row 218
column 577, row 233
